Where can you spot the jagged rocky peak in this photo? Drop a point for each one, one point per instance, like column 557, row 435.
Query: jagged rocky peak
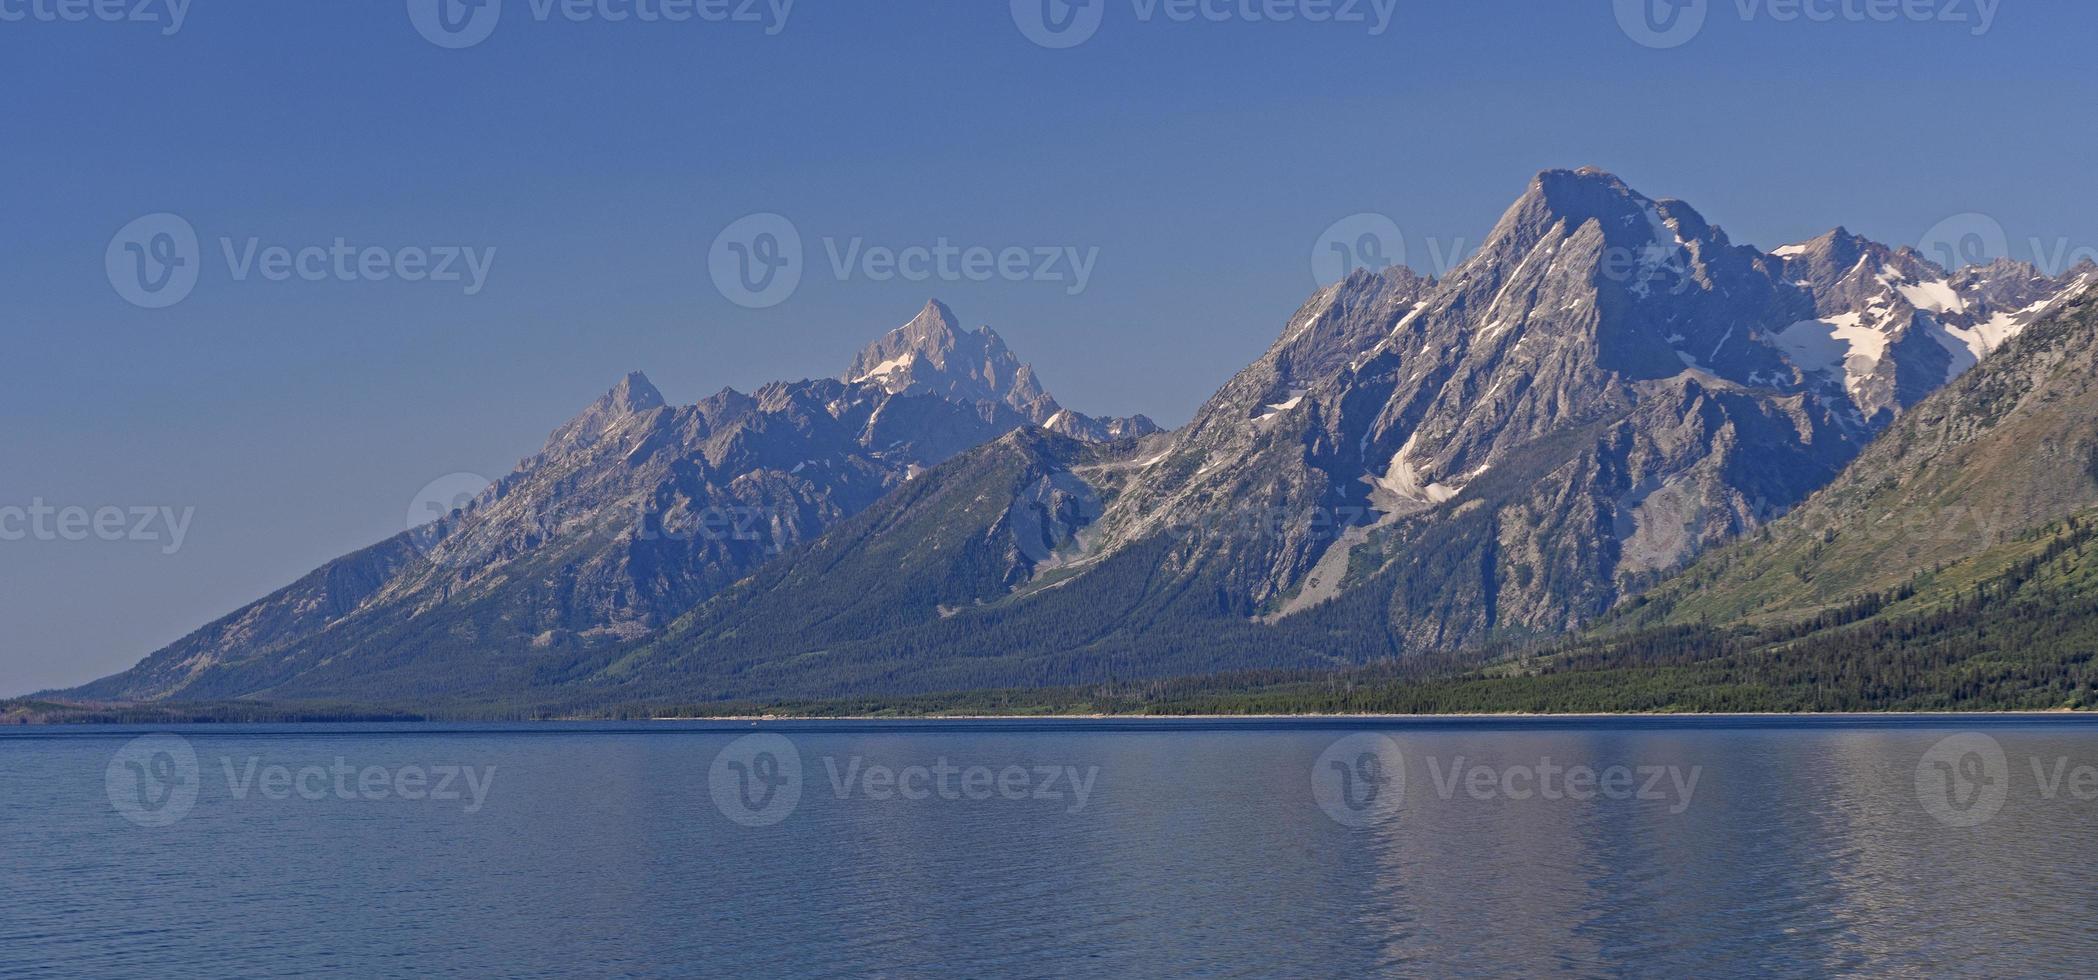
column 1889, row 326
column 2001, row 270
column 1838, row 247
column 1085, row 428
column 1848, row 272
column 634, row 395
column 933, row 353
column 1317, row 332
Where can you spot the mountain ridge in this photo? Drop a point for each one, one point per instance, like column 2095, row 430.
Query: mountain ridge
column 1568, row 418
column 1607, row 392
column 630, row 513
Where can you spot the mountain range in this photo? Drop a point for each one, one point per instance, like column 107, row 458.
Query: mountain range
column 633, row 512
column 1611, row 412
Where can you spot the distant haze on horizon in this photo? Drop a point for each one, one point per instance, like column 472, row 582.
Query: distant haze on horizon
column 579, row 173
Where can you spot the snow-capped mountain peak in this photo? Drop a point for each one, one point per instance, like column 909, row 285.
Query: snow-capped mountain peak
column 1889, row 326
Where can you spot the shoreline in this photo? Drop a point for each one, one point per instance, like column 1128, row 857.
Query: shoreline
column 91, row 720
column 1470, row 716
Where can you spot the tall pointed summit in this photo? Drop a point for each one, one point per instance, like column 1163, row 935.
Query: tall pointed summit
column 932, row 353
column 633, row 396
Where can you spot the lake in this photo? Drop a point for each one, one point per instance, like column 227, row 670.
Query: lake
column 1659, row 847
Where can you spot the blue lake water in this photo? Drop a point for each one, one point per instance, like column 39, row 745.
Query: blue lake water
column 1945, row 845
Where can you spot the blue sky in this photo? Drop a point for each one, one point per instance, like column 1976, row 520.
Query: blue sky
column 593, row 165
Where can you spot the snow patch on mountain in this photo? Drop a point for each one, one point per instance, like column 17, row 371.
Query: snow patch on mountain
column 888, row 367
column 1275, row 411
column 1936, row 296
column 1829, row 346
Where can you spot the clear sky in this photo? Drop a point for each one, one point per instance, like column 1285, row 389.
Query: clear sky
column 599, row 160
